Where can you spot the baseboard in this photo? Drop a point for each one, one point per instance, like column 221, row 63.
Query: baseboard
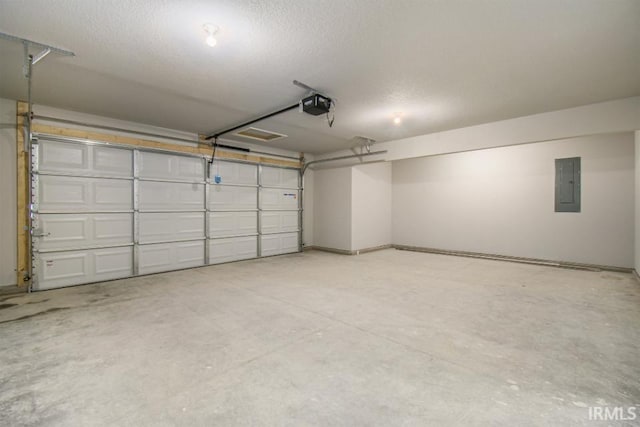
column 523, row 260
column 372, row 249
column 636, row 275
column 350, row 252
column 332, row 250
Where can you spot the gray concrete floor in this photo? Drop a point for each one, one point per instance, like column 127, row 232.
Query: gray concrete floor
column 385, row 338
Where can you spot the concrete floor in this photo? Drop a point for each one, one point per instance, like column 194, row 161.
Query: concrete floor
column 385, row 338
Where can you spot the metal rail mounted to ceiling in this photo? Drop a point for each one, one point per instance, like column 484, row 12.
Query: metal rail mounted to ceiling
column 351, row 156
column 218, row 134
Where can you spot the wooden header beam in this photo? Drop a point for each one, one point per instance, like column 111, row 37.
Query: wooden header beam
column 201, row 149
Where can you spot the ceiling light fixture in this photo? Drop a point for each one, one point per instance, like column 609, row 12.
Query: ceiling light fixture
column 211, row 31
column 397, row 118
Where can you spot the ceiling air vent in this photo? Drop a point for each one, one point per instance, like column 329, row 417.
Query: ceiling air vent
column 260, row 134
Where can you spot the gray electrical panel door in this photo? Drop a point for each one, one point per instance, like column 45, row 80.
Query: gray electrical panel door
column 568, row 185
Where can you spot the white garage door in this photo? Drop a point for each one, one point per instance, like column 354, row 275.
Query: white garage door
column 170, row 211
column 102, row 212
column 233, row 211
column 83, row 213
column 279, row 210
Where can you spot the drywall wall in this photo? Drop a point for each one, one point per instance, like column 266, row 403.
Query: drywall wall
column 8, row 233
column 332, row 208
column 371, row 206
column 621, row 115
column 307, row 213
column 501, row 201
column 637, row 213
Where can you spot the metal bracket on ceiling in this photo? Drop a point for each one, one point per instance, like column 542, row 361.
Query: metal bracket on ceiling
column 311, row 90
column 45, row 50
column 37, row 58
column 365, row 145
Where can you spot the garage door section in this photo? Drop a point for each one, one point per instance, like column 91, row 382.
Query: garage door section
column 103, row 212
column 82, row 213
column 280, row 210
column 169, row 211
column 232, row 195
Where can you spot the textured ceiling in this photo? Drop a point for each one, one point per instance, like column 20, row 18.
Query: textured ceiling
column 443, row 64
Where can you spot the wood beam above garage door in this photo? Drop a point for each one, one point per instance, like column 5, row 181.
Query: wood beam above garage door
column 204, row 150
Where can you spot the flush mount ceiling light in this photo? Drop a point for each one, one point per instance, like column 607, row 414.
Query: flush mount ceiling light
column 397, row 118
column 211, row 31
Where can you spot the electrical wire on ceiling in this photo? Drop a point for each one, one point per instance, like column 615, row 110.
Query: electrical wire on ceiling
column 332, row 110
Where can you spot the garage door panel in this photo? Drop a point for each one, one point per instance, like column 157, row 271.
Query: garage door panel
column 79, row 159
column 170, row 167
column 60, row 192
column 73, row 231
column 65, row 265
column 226, row 224
column 167, row 226
column 113, row 262
column 279, row 221
column 162, row 196
column 155, row 258
column 232, row 249
column 63, row 157
column 279, row 177
column 271, row 198
column 113, row 228
column 108, row 194
column 227, row 198
column 72, row 194
column 234, row 173
column 276, row 244
column 111, row 161
column 62, row 231
column 190, row 168
column 56, row 269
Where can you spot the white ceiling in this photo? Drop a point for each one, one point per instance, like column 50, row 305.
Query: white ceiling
column 443, row 64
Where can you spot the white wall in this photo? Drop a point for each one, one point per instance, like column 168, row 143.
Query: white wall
column 308, row 211
column 637, row 246
column 621, row 115
column 371, row 205
column 8, row 220
column 332, row 208
column 501, row 201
